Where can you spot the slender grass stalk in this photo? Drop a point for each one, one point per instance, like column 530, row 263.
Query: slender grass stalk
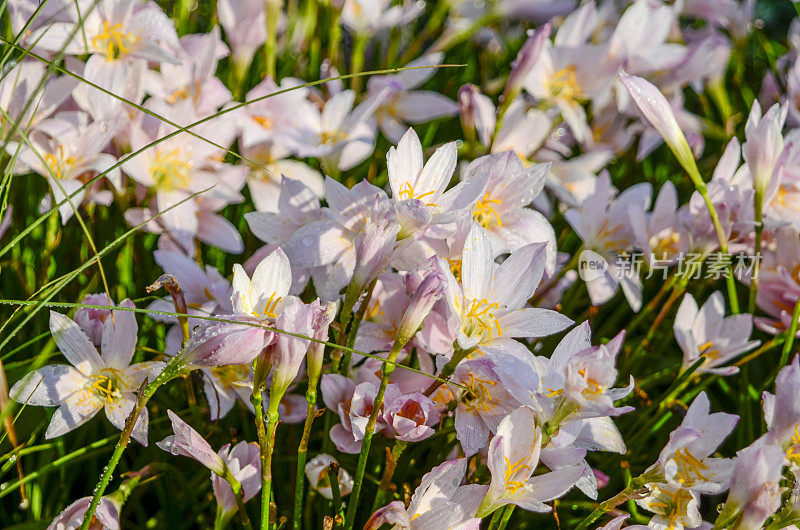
column 791, row 333
column 302, row 453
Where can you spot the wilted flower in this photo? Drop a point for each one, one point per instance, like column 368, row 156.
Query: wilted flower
column 318, row 474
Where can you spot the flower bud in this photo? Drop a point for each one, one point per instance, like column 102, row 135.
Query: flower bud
column 429, row 290
column 477, row 113
column 215, row 343
column 188, row 442
column 526, row 59
column 656, row 109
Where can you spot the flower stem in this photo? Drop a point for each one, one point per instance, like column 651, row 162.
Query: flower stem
column 357, row 61
column 608, row 505
column 302, row 452
column 236, row 486
column 722, row 238
column 273, row 14
column 759, row 205
column 449, row 368
column 507, row 512
column 336, row 496
column 171, row 371
column 790, row 335
column 388, row 368
column 388, row 472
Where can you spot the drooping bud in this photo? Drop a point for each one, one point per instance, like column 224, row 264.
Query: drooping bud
column 657, row 111
column 188, row 442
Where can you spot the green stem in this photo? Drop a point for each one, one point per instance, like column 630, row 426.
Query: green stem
column 357, row 61
column 336, row 496
column 273, row 9
column 302, row 453
column 236, row 486
column 722, row 238
column 608, row 505
column 495, row 520
column 507, row 512
column 388, row 472
column 790, row 335
column 449, row 368
column 758, row 204
column 335, row 38
column 388, row 368
column 171, row 371
column 266, row 440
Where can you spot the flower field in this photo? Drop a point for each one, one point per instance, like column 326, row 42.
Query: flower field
column 399, row 264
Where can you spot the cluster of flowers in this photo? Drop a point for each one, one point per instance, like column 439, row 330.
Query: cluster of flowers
column 444, row 281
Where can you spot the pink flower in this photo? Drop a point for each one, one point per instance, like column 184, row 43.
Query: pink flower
column 243, row 461
column 106, row 517
column 411, row 417
column 188, row 442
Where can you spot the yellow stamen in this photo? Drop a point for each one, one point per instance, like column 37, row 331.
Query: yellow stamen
column 485, row 214
column 113, row 41
column 170, row 171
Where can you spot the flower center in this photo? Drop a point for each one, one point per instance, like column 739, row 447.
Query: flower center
column 407, row 192
column 332, row 137
column 512, row 486
column 593, row 387
column 793, row 452
column 609, row 239
column 480, row 318
column 106, row 384
column 666, row 245
column 60, row 164
column 708, row 351
column 690, row 469
column 477, row 396
column 672, row 505
column 485, row 214
column 564, row 84
column 229, row 374
column 113, row 41
column 264, row 121
column 169, row 171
